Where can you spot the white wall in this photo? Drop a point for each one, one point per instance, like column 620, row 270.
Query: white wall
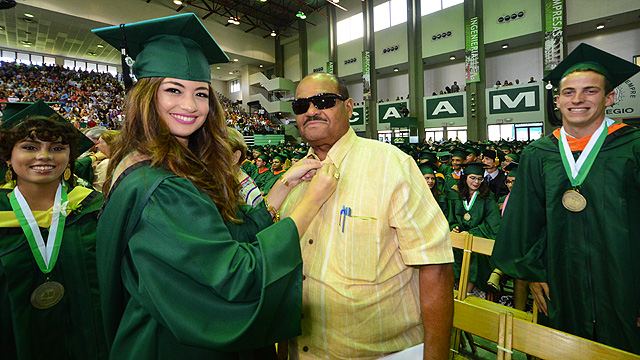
column 436, row 78
column 393, row 86
column 584, row 10
column 515, row 64
column 622, row 42
column 292, row 68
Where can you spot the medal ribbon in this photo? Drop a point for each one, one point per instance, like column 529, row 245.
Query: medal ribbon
column 45, row 254
column 469, row 204
column 577, row 170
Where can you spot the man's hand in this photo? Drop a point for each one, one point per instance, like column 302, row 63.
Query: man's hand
column 539, row 290
column 436, row 305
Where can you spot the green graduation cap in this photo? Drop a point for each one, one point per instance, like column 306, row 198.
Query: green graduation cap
column 13, row 108
column 281, row 157
column 443, row 155
column 515, row 157
column 587, row 57
column 474, row 168
column 428, row 155
column 427, row 168
column 40, row 108
column 176, row 46
column 511, row 169
column 461, row 153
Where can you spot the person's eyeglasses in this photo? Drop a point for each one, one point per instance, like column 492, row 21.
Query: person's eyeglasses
column 476, row 178
column 320, row 101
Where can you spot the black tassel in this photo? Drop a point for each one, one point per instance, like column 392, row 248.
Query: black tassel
column 551, row 107
column 125, row 59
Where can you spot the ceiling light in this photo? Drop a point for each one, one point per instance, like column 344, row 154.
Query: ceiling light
column 335, row 1
column 301, row 15
column 100, row 45
column 177, row 2
column 25, row 42
column 505, row 46
column 235, row 60
column 231, row 20
column 261, row 65
column 600, row 26
column 1, row 27
column 230, row 72
column 396, row 69
column 236, row 22
column 452, row 57
column 28, row 15
column 217, row 67
column 90, row 53
column 263, row 0
column 273, row 33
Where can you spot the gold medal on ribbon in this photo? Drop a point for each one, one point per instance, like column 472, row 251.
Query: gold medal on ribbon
column 573, row 201
column 47, row 295
column 467, row 217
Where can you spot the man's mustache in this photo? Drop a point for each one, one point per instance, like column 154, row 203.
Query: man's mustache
column 313, row 118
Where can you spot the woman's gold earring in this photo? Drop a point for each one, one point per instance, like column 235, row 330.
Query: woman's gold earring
column 67, row 174
column 8, row 176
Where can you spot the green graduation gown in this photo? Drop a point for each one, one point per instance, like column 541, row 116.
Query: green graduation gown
column 176, row 285
column 71, row 329
column 262, row 179
column 590, row 258
column 84, row 169
column 249, row 168
column 484, row 222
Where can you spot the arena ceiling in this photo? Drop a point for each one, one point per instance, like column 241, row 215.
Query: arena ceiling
column 60, row 34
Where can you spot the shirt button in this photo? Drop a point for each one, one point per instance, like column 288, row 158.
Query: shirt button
column 310, row 241
column 305, row 348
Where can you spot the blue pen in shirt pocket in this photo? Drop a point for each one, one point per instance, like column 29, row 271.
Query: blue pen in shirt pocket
column 346, row 212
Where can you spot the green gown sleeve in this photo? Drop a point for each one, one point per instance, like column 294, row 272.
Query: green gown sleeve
column 193, row 287
column 520, row 247
column 490, row 224
column 83, row 169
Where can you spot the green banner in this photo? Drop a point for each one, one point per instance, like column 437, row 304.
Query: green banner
column 329, row 67
column 471, row 54
column 514, row 100
column 392, row 110
column 439, row 107
column 366, row 75
column 357, row 118
column 553, row 30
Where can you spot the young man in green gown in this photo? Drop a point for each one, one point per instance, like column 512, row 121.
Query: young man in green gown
column 571, row 226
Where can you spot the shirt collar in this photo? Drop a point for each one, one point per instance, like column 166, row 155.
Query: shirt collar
column 339, row 150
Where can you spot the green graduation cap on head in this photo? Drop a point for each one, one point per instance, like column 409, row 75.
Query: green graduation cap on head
column 40, row 108
column 427, row 168
column 461, row 153
column 13, row 108
column 513, row 156
column 474, row 168
column 281, row 157
column 428, row 155
column 587, row 57
column 512, row 169
column 443, row 155
column 176, row 46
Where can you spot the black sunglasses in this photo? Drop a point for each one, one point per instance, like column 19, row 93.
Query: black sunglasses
column 320, row 101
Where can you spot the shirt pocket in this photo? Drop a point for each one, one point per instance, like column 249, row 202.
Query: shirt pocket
column 359, row 250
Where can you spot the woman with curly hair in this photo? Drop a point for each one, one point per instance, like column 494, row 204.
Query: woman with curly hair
column 476, row 212
column 49, row 301
column 184, row 272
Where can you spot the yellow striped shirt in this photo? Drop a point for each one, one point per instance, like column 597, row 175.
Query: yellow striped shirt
column 360, row 288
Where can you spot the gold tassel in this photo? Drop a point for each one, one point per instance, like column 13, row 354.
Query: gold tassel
column 67, row 174
column 8, row 176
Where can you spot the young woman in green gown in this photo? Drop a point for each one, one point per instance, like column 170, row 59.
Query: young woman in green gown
column 476, row 212
column 184, row 272
column 49, row 301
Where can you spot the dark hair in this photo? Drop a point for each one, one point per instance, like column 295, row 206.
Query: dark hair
column 44, row 129
column 207, row 160
column 465, row 193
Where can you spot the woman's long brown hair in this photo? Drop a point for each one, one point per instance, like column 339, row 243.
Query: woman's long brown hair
column 207, row 161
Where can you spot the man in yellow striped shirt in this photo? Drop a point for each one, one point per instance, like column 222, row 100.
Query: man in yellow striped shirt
column 377, row 257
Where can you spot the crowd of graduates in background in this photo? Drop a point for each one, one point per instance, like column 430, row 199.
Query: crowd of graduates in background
column 451, row 170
